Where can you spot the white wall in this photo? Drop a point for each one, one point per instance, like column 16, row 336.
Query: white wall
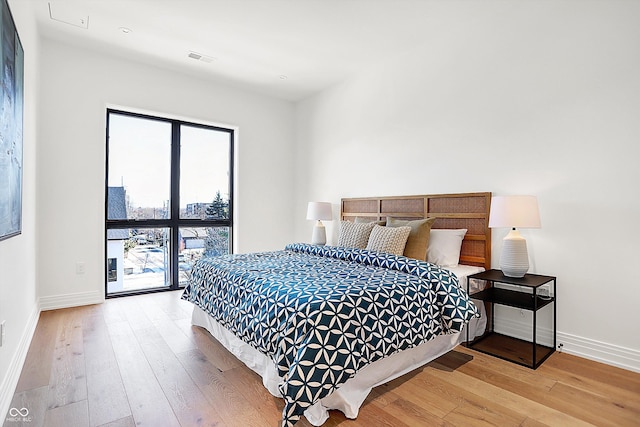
column 540, row 98
column 75, row 89
column 115, row 249
column 18, row 294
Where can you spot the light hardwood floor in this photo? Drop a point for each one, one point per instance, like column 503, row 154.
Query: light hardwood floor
column 137, row 361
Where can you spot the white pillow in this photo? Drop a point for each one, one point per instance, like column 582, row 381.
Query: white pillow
column 444, row 246
column 391, row 240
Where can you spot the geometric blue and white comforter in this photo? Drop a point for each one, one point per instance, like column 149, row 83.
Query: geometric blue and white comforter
column 322, row 313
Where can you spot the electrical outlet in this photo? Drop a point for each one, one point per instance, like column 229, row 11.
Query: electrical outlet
column 80, row 268
column 2, row 332
column 544, row 292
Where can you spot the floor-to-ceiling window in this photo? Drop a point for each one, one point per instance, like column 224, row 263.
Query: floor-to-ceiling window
column 169, row 200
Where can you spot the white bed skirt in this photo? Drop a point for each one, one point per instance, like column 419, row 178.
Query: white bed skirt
column 349, row 397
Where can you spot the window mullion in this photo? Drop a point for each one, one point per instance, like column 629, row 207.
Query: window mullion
column 175, row 203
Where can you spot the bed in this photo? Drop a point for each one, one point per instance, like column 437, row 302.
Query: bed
column 324, row 325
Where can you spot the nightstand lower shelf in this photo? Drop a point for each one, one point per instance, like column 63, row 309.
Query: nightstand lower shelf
column 511, row 349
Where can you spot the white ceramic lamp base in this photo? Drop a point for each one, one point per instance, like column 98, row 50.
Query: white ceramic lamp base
column 319, row 236
column 514, row 259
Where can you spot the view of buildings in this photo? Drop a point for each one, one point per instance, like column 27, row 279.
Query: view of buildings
column 138, row 258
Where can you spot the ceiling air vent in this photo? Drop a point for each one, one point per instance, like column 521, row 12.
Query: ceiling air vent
column 200, row 57
column 64, row 13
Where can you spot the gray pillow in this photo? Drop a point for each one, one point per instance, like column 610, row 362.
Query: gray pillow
column 366, row 219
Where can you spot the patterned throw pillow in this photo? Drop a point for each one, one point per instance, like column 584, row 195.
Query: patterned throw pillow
column 388, row 239
column 418, row 240
column 354, row 235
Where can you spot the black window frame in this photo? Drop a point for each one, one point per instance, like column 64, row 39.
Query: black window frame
column 174, row 222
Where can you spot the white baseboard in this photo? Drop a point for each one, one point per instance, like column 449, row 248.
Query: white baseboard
column 10, row 381
column 609, row 354
column 71, row 300
column 622, row 357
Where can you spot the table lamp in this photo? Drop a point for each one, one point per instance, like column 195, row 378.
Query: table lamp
column 514, row 212
column 319, row 211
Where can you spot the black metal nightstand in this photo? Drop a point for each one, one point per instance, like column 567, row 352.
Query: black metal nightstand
column 522, row 295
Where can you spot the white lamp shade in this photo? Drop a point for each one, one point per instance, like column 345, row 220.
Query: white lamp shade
column 319, row 211
column 514, row 212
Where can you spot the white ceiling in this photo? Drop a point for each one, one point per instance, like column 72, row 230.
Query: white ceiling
column 254, row 43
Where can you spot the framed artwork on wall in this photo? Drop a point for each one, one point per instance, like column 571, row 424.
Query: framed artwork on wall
column 11, row 101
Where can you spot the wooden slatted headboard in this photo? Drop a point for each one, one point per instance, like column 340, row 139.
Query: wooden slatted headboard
column 464, row 210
